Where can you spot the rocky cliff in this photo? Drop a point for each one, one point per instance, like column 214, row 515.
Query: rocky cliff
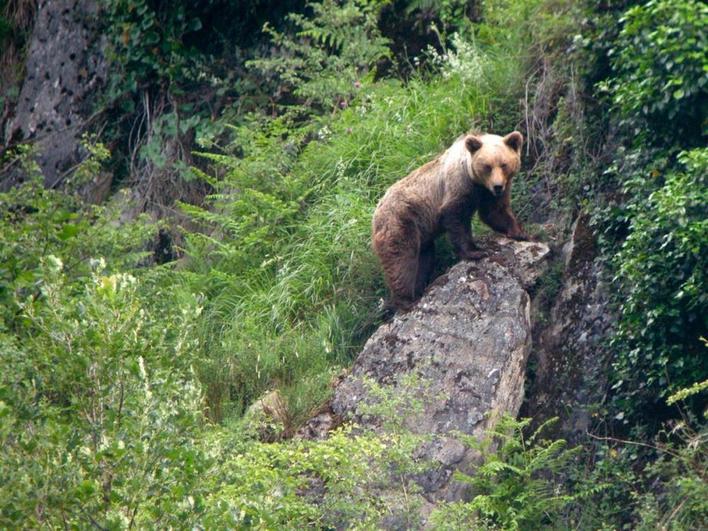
column 65, row 69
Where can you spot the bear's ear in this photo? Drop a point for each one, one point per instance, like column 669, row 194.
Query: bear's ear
column 472, row 143
column 514, row 141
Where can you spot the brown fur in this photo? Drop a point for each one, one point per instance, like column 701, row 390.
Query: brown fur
column 441, row 196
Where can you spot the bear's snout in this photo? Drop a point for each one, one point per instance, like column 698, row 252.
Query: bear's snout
column 498, row 190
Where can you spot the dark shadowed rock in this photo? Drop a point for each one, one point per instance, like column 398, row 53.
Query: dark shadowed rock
column 466, row 342
column 571, row 353
column 65, row 69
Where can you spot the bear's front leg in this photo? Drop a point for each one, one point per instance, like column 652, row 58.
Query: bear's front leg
column 456, row 222
column 498, row 215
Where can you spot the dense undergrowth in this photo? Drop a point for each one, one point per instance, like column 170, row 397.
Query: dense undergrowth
column 125, row 383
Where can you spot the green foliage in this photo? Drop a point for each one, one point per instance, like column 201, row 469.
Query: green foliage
column 102, row 425
column 96, row 396
column 662, row 269
column 98, row 407
column 645, row 186
column 175, row 67
column 506, row 13
column 154, row 70
column 101, row 413
column 37, row 222
column 264, row 487
column 452, row 13
column 351, row 480
column 657, row 483
column 680, row 468
column 660, row 58
column 149, row 42
column 321, row 484
column 184, row 45
column 91, row 166
column 518, row 484
column 647, row 201
column 331, row 54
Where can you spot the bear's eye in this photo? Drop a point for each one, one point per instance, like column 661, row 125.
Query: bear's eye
column 487, row 168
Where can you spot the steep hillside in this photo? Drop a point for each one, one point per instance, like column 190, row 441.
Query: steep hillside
column 186, row 274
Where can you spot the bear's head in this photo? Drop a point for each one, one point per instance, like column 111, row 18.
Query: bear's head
column 494, row 160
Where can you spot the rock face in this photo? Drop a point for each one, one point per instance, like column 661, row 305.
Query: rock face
column 571, row 354
column 65, row 69
column 466, row 344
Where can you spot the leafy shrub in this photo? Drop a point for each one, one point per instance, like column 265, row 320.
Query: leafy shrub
column 660, row 57
column 36, row 222
column 99, row 410
column 517, row 486
column 101, row 425
column 646, row 194
column 331, row 54
column 662, row 270
column 176, row 76
column 101, row 414
column 654, row 483
column 149, row 42
column 680, row 502
column 318, row 484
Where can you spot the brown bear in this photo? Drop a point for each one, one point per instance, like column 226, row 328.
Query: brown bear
column 474, row 174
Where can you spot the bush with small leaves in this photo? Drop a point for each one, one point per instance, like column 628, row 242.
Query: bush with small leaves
column 660, row 59
column 661, row 269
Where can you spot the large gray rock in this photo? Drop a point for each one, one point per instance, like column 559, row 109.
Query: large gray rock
column 64, row 71
column 466, row 343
